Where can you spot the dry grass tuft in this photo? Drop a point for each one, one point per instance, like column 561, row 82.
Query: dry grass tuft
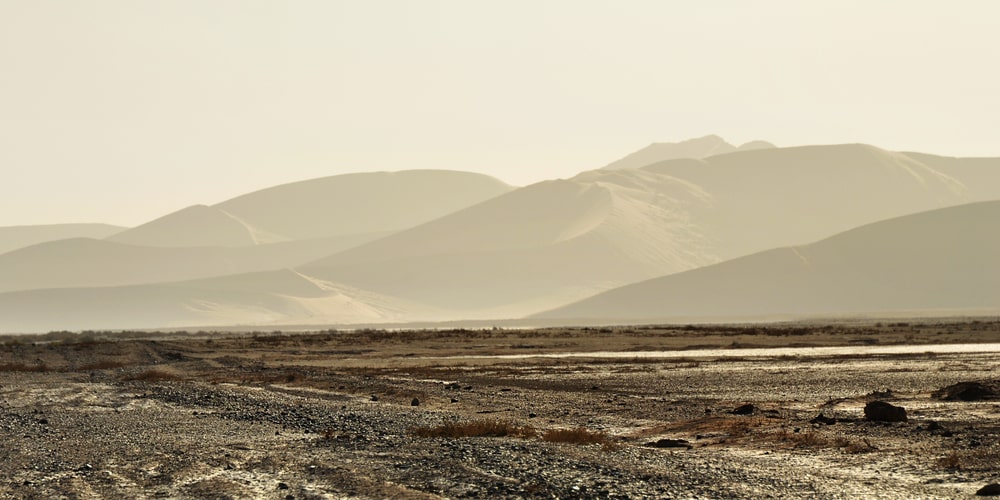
column 579, row 435
column 475, row 428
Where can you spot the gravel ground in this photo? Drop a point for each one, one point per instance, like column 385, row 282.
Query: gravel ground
column 181, row 419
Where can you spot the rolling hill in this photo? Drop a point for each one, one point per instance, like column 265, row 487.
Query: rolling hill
column 341, row 205
column 943, row 260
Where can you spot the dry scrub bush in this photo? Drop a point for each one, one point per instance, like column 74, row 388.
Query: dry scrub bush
column 812, row 439
column 580, row 435
column 475, row 428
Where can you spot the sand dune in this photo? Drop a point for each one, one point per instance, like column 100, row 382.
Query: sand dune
column 701, row 147
column 943, row 260
column 256, row 299
column 537, row 245
column 339, row 205
column 14, row 237
column 83, row 262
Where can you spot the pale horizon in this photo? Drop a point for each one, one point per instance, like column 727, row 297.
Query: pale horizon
column 120, row 112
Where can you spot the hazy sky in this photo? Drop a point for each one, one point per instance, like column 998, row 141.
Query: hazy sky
column 120, row 111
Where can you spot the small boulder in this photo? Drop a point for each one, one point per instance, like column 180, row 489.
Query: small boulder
column 880, row 411
column 415, row 402
column 669, row 443
column 990, row 490
column 968, row 391
column 823, row 419
column 746, row 409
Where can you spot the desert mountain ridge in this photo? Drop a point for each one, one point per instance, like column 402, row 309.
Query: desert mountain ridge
column 701, row 147
column 493, row 252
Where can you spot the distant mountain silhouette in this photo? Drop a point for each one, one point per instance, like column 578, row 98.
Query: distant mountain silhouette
column 943, row 260
column 14, row 237
column 702, row 147
column 340, row 205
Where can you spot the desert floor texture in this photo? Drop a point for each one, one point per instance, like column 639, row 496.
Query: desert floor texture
column 686, row 412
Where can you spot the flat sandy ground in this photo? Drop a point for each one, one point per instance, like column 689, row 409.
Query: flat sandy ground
column 377, row 414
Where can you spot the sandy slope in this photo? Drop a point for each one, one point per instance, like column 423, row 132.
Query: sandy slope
column 940, row 260
column 545, row 243
column 83, row 262
column 262, row 298
column 14, row 237
column 320, row 208
column 195, row 226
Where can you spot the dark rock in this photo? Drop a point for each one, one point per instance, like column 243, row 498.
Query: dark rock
column 415, row 402
column 823, row 419
column 669, row 443
column 282, row 486
column 990, row 490
column 880, row 411
column 968, row 391
column 374, row 397
column 746, row 409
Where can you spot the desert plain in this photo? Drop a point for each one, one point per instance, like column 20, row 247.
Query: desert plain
column 695, row 411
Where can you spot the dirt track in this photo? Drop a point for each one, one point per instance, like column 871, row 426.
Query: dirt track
column 331, row 415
